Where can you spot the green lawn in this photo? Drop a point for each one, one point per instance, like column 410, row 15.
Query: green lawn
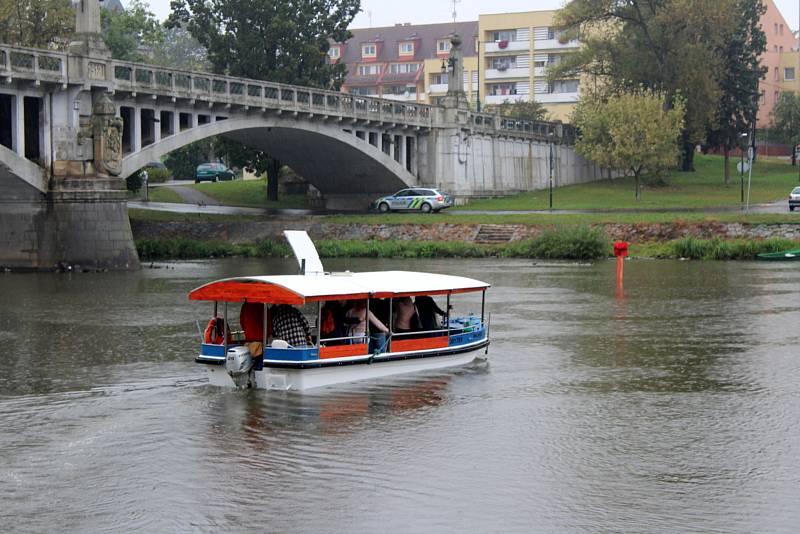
column 248, row 194
column 165, row 216
column 772, row 180
column 164, row 194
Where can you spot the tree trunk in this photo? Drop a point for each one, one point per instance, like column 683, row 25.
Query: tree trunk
column 272, row 179
column 727, row 161
column 637, row 187
column 687, row 155
column 794, row 155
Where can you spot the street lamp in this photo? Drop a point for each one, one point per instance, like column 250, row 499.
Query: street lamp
column 552, row 159
column 743, row 136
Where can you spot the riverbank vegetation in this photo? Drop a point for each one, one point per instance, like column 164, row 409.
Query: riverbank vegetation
column 575, row 243
column 241, row 193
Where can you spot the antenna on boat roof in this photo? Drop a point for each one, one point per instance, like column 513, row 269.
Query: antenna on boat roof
column 306, row 253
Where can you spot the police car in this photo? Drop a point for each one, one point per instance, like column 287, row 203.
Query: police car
column 422, row 199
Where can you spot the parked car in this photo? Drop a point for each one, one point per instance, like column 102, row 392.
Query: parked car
column 422, row 199
column 212, row 172
column 794, row 199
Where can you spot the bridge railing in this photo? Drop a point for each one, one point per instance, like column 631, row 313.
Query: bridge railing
column 229, row 90
column 543, row 130
column 33, row 63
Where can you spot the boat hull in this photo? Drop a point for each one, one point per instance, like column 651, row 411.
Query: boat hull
column 786, row 255
column 287, row 378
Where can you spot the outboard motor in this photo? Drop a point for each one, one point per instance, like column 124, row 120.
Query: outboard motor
column 238, row 364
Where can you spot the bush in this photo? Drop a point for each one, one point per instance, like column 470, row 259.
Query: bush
column 158, row 176
column 718, row 249
column 134, row 182
column 569, row 243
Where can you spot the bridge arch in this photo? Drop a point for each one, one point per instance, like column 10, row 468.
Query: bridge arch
column 334, row 161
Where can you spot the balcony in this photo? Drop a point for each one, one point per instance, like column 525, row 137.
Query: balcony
column 515, row 72
column 513, row 46
column 557, row 98
column 555, row 44
column 437, row 88
column 499, row 99
column 411, row 97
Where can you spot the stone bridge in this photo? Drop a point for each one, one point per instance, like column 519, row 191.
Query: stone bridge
column 74, row 124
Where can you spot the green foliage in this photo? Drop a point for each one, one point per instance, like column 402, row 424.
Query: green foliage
column 565, row 243
column 36, row 23
column 719, row 249
column 180, row 50
column 786, row 118
column 520, row 110
column 629, row 130
column 158, row 176
column 184, row 161
column 134, row 182
column 740, row 52
column 131, row 34
column 670, row 46
column 275, row 40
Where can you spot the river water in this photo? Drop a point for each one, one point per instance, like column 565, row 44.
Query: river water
column 671, row 407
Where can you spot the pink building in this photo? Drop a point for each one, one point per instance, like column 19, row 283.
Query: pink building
column 780, row 39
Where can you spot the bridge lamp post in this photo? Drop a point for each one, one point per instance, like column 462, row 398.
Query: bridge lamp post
column 743, row 137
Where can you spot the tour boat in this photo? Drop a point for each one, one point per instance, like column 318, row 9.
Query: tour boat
column 257, row 357
column 786, row 255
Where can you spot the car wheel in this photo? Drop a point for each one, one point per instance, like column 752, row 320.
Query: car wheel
column 215, row 179
column 425, row 208
column 197, row 180
column 383, row 207
column 791, row 208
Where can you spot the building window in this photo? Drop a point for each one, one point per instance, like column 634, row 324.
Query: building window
column 780, row 32
column 368, row 50
column 762, row 99
column 788, row 73
column 776, row 28
column 504, row 35
column 501, row 89
column 775, row 74
column 334, row 52
column 503, row 63
column 401, row 90
column 364, row 91
column 565, row 86
column 443, row 46
column 440, row 78
column 368, row 70
column 403, row 68
column 552, row 34
column 406, row 49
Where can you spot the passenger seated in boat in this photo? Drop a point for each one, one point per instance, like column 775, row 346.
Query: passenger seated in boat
column 251, row 318
column 406, row 318
column 333, row 323
column 358, row 330
column 429, row 313
column 290, row 325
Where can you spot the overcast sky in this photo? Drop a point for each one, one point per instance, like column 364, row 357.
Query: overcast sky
column 390, row 12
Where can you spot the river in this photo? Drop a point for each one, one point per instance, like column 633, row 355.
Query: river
column 673, row 406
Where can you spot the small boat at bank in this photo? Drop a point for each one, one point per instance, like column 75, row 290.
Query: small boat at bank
column 258, row 356
column 786, row 255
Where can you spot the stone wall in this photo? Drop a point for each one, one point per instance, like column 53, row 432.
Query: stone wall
column 253, row 231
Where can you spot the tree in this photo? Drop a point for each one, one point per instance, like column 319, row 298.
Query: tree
column 786, row 120
column 741, row 71
column 669, row 46
column 131, row 35
column 37, row 23
column 632, row 130
column 283, row 41
column 179, row 50
column 520, row 110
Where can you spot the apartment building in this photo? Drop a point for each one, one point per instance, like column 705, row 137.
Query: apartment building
column 781, row 60
column 516, row 49
column 403, row 62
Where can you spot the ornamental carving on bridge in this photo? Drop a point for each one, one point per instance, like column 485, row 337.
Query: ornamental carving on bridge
column 107, row 130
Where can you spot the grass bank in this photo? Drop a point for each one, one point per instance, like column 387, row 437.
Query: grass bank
column 772, row 181
column 570, row 243
column 242, row 193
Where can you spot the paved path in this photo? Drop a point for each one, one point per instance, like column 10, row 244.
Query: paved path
column 215, row 208
column 193, row 196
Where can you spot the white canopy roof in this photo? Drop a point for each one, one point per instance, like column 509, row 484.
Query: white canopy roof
column 298, row 289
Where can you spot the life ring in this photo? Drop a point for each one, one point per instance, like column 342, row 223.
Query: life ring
column 213, row 334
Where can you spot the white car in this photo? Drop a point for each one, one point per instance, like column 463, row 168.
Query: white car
column 794, row 199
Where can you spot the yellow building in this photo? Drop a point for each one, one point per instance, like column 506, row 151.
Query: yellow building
column 514, row 52
column 789, row 72
column 436, row 79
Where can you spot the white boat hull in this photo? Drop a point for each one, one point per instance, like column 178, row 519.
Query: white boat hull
column 287, row 379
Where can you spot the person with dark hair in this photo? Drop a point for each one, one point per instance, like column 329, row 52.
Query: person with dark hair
column 429, row 313
column 290, row 325
column 333, row 323
column 406, row 318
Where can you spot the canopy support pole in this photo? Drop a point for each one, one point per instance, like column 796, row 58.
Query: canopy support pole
column 389, row 343
column 483, row 305
column 225, row 327
column 447, row 315
column 319, row 322
column 264, row 349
